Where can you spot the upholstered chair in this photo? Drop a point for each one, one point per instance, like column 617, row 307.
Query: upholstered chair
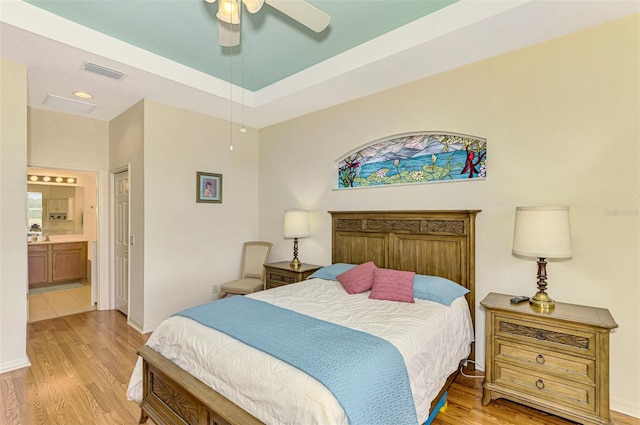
column 254, row 255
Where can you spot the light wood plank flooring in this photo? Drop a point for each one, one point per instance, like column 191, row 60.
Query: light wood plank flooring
column 81, row 366
column 465, row 408
column 80, row 369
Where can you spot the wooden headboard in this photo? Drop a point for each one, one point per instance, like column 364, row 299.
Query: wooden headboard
column 436, row 243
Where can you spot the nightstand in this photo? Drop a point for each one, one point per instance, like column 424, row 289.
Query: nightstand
column 281, row 273
column 557, row 361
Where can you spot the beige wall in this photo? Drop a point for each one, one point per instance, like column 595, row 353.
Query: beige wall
column 61, row 140
column 561, row 120
column 69, row 142
column 182, row 247
column 13, row 216
column 126, row 152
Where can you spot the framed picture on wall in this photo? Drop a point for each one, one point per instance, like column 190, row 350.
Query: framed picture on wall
column 208, row 187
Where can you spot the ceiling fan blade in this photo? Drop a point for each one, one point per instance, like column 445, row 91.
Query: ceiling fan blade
column 253, row 6
column 308, row 15
column 228, row 35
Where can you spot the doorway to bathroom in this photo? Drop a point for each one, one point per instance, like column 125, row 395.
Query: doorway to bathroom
column 62, row 235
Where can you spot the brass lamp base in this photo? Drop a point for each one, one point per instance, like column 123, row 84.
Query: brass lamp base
column 542, row 301
column 295, row 263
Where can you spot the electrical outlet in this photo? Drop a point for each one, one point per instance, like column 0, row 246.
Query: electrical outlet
column 215, row 289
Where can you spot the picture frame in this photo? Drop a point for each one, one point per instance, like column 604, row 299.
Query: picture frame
column 208, row 187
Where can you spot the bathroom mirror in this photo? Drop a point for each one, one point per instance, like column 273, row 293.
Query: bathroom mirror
column 62, row 208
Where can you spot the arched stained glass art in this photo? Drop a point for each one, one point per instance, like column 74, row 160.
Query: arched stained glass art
column 424, row 157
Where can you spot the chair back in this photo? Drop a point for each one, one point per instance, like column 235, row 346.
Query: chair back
column 254, row 256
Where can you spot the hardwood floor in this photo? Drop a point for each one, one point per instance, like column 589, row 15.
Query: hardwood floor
column 80, row 369
column 81, row 366
column 465, row 408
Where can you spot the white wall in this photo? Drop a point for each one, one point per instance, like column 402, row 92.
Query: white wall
column 561, row 120
column 13, row 216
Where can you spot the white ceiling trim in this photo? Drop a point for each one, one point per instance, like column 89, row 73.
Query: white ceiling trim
column 462, row 33
column 38, row 21
column 426, row 29
column 122, row 55
column 523, row 24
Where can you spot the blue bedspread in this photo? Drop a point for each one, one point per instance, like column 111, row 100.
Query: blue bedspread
column 366, row 374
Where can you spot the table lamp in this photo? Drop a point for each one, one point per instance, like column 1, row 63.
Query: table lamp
column 296, row 225
column 542, row 232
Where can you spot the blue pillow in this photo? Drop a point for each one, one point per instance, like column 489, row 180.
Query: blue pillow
column 330, row 272
column 438, row 289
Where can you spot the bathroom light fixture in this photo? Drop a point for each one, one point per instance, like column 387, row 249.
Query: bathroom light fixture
column 52, row 179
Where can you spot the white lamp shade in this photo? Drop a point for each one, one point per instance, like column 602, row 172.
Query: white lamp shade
column 228, row 11
column 542, row 232
column 296, row 224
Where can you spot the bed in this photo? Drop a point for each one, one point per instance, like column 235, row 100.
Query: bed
column 430, row 243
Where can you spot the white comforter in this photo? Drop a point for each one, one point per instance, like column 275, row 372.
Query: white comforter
column 431, row 337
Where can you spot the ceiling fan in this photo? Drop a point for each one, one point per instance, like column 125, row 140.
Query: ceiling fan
column 299, row 10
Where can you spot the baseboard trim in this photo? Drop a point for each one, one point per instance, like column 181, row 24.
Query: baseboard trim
column 135, row 325
column 15, row 364
column 626, row 407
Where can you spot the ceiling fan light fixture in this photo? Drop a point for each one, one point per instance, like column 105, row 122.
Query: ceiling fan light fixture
column 228, row 11
column 253, row 5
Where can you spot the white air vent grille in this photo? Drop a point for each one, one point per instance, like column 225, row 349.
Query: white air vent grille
column 68, row 105
column 103, row 70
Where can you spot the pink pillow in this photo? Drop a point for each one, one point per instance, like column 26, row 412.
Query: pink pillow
column 358, row 279
column 392, row 285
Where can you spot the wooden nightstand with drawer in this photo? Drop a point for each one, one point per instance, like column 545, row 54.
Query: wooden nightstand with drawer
column 281, row 273
column 557, row 361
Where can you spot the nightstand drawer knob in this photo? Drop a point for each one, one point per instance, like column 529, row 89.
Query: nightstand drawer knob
column 540, row 384
column 540, row 359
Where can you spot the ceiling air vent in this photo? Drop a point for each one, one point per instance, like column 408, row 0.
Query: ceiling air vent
column 103, row 70
column 68, row 105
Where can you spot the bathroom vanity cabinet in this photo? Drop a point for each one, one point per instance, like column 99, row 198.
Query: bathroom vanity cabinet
column 52, row 263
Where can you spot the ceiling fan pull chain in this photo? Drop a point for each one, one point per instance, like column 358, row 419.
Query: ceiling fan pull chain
column 230, row 98
column 242, row 46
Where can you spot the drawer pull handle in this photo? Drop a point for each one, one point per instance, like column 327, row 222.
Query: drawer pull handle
column 540, row 359
column 540, row 384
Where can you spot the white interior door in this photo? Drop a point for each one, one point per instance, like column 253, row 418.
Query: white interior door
column 121, row 214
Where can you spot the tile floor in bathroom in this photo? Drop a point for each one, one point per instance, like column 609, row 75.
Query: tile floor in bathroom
column 60, row 303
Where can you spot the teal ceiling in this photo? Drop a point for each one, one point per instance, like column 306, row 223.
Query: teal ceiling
column 275, row 46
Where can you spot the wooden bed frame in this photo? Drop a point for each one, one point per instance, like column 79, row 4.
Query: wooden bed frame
column 438, row 243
